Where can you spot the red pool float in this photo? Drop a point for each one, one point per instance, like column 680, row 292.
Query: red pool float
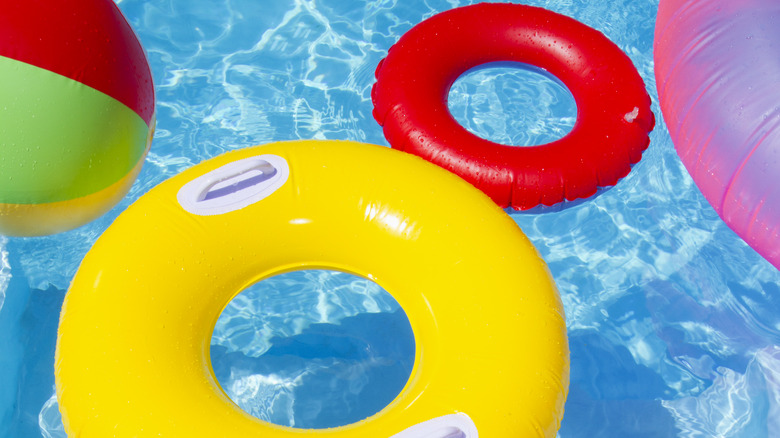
column 613, row 107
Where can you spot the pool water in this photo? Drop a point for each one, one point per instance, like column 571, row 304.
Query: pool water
column 313, row 349
column 535, row 107
column 673, row 321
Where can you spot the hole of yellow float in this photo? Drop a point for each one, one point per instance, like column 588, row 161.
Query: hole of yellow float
column 313, row 349
column 512, row 103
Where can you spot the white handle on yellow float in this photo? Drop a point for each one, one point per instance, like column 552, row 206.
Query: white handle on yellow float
column 234, row 186
column 448, row 426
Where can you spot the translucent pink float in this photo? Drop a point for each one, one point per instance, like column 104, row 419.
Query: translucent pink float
column 717, row 67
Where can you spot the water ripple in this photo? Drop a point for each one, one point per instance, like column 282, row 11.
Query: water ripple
column 673, row 321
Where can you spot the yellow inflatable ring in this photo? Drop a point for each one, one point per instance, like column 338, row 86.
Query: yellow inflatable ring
column 132, row 356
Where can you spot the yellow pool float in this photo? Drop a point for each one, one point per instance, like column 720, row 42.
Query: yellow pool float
column 491, row 357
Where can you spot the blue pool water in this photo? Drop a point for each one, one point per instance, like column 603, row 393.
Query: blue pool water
column 673, row 322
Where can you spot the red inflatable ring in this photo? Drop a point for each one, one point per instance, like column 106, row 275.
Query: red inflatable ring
column 613, row 107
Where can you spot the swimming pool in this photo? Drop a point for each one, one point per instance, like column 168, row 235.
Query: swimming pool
column 673, row 321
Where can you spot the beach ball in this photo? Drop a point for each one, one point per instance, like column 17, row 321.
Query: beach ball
column 76, row 113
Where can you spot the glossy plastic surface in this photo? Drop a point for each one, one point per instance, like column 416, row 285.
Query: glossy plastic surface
column 234, row 185
column 89, row 41
column 717, row 71
column 132, row 355
column 77, row 117
column 613, row 107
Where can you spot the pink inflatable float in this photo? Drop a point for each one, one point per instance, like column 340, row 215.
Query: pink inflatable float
column 717, row 67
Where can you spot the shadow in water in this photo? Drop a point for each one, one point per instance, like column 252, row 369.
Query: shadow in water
column 328, row 375
column 28, row 336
